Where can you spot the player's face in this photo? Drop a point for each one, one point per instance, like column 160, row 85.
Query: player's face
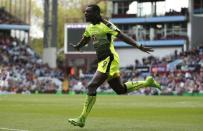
column 89, row 14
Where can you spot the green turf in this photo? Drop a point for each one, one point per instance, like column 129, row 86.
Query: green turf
column 111, row 113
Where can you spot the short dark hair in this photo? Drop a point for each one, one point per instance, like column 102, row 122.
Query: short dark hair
column 95, row 8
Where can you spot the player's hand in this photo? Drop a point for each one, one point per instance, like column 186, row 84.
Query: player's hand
column 76, row 47
column 145, row 49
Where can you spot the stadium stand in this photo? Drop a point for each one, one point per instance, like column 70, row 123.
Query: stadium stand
column 179, row 74
column 7, row 18
column 22, row 70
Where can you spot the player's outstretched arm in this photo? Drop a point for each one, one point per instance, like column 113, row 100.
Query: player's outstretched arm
column 82, row 43
column 132, row 42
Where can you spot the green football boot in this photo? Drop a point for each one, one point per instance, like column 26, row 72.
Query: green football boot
column 151, row 82
column 80, row 121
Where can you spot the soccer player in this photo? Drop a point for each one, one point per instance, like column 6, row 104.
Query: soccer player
column 102, row 32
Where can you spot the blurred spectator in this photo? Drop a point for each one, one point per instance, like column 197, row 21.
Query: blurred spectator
column 22, row 70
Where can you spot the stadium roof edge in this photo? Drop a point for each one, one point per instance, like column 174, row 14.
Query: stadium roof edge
column 160, row 43
column 14, row 27
column 148, row 19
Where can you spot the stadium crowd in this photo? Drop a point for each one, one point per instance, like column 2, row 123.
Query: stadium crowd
column 178, row 74
column 22, row 70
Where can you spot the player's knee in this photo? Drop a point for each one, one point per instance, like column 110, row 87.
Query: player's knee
column 91, row 89
column 92, row 85
column 91, row 92
column 119, row 89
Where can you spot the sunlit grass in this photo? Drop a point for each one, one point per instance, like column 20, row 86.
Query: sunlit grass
column 110, row 113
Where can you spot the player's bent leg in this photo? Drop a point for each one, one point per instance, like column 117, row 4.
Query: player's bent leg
column 117, row 85
column 135, row 85
column 152, row 83
column 96, row 81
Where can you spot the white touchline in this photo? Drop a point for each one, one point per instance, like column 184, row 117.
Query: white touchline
column 9, row 129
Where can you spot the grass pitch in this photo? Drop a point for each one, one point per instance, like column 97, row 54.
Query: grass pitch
column 110, row 113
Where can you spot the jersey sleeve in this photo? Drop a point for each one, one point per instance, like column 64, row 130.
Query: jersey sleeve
column 86, row 33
